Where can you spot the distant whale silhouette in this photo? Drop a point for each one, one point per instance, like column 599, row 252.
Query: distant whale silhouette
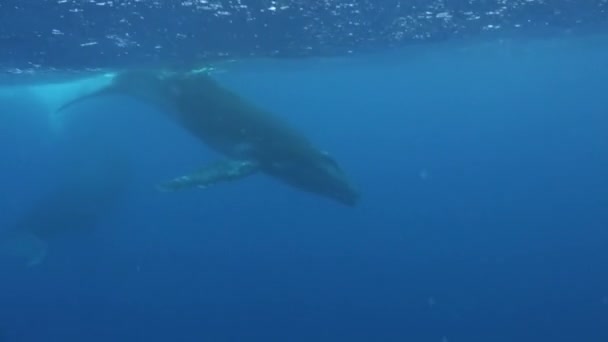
column 77, row 203
column 252, row 139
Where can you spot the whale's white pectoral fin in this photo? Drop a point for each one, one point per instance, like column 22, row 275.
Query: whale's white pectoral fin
column 221, row 171
column 58, row 96
column 52, row 97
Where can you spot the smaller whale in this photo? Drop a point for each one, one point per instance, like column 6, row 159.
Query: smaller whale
column 89, row 170
column 252, row 140
column 79, row 202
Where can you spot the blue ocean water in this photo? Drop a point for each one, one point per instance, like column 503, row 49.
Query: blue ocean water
column 482, row 170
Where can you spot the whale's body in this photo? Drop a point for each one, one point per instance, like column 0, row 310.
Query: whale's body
column 232, row 126
column 77, row 203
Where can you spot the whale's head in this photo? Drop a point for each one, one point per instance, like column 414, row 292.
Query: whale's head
column 320, row 175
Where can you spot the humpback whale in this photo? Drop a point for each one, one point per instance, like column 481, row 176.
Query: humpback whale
column 89, row 168
column 251, row 139
column 79, row 202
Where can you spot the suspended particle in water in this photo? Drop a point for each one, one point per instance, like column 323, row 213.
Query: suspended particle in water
column 423, row 174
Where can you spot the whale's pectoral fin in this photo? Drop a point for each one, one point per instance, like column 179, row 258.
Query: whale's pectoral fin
column 221, row 171
column 106, row 90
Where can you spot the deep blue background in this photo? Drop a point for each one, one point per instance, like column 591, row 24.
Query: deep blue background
column 482, row 168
